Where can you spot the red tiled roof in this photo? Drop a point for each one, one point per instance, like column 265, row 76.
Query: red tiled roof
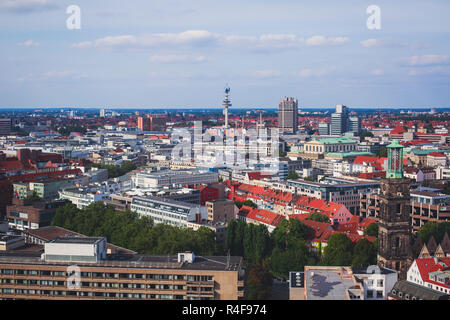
column 15, row 165
column 428, row 265
column 362, row 159
column 398, row 130
column 436, row 154
column 265, row 216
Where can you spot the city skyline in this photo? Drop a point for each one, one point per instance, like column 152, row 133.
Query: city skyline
column 173, row 54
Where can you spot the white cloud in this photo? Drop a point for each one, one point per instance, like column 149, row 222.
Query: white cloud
column 429, row 71
column 53, row 75
column 204, row 37
column 321, row 40
column 369, row 43
column 30, row 43
column 27, row 6
column 375, row 43
column 429, row 60
column 174, row 58
column 190, row 37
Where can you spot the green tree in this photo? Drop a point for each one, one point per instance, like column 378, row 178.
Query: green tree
column 318, row 217
column 338, row 251
column 293, row 258
column 127, row 229
column 34, row 197
column 292, row 176
column 259, row 283
column 364, row 254
column 435, row 229
column 382, row 152
column 371, row 230
column 247, row 203
column 365, row 134
column 287, row 232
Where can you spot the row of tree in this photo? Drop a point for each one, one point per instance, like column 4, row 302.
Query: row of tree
column 126, row 229
column 116, row 171
column 285, row 250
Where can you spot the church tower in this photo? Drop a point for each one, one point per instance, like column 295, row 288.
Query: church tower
column 394, row 227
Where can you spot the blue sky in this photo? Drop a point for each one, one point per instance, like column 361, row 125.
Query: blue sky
column 173, row 53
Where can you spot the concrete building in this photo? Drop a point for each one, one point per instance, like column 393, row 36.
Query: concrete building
column 163, row 210
column 346, row 283
column 174, row 178
column 339, row 121
column 49, row 274
column 288, row 115
column 25, row 214
column 324, row 129
column 330, row 145
column 354, row 125
column 46, row 189
column 338, row 190
column 5, row 126
column 82, row 197
column 221, row 210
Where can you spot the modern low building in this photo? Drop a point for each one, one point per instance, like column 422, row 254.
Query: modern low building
column 25, row 214
column 174, row 178
column 163, row 210
column 346, row 283
column 338, row 190
column 72, row 268
column 44, row 188
column 82, row 197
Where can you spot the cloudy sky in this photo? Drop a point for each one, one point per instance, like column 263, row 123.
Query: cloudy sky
column 179, row 53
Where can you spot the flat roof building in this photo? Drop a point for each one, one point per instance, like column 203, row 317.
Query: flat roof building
column 75, row 268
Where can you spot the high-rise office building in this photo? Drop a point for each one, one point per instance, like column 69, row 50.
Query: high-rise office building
column 144, row 123
column 288, row 115
column 5, row 126
column 354, row 124
column 339, row 121
column 324, row 129
column 102, row 113
column 151, row 123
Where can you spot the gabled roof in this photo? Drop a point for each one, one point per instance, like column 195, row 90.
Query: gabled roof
column 427, row 265
column 265, row 216
column 431, row 244
column 350, row 226
column 398, row 130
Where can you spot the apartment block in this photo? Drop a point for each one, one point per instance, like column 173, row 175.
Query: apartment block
column 72, row 268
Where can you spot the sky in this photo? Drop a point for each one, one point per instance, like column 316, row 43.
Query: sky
column 178, row 53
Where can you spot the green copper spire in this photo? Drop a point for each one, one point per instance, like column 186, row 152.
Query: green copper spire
column 395, row 161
